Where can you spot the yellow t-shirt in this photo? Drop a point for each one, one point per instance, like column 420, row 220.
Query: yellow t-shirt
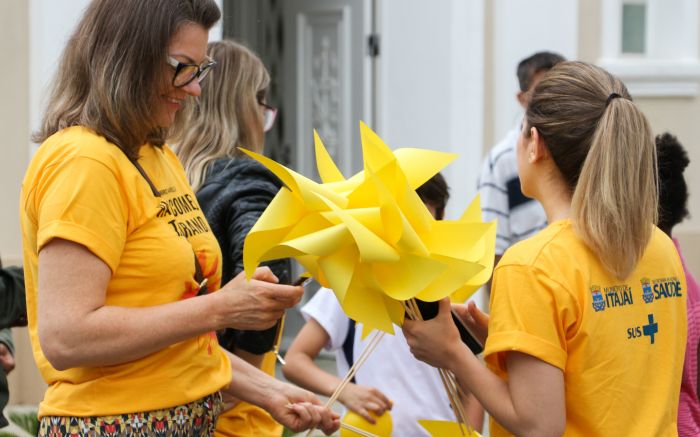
column 620, row 343
column 82, row 188
column 246, row 420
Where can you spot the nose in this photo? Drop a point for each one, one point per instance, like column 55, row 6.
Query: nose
column 193, row 88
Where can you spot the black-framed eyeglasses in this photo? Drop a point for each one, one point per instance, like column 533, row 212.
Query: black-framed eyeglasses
column 269, row 115
column 186, row 73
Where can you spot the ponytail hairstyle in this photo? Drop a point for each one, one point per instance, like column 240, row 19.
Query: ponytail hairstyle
column 111, row 71
column 227, row 114
column 604, row 149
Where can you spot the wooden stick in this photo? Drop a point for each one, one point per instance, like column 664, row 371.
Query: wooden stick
column 355, row 367
column 447, row 378
column 357, row 430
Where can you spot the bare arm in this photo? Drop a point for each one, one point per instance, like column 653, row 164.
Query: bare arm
column 530, row 403
column 474, row 411
column 302, row 370
column 73, row 283
column 295, row 408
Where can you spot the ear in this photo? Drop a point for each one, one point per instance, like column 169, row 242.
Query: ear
column 536, row 149
column 522, row 98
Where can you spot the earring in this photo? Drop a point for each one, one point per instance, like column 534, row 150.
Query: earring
column 532, row 157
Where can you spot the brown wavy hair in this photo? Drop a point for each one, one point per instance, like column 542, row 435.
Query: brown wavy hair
column 604, row 148
column 226, row 115
column 111, row 71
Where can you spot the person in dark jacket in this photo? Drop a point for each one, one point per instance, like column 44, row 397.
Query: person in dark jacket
column 13, row 312
column 233, row 191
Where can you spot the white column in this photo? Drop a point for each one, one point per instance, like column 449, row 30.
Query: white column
column 522, row 28
column 430, row 84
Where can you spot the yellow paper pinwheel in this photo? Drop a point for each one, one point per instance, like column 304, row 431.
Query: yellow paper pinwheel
column 370, row 238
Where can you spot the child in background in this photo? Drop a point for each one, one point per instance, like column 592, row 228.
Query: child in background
column 673, row 198
column 390, row 379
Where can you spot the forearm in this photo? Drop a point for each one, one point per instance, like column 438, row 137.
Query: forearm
column 112, row 335
column 474, row 411
column 249, row 383
column 493, row 393
column 304, row 372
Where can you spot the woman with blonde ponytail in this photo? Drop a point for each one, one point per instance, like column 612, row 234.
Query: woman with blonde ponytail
column 587, row 329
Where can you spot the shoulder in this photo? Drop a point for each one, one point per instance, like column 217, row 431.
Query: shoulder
column 504, row 149
column 661, row 251
column 80, row 142
column 552, row 246
column 239, row 174
column 75, row 154
column 500, row 164
column 325, row 308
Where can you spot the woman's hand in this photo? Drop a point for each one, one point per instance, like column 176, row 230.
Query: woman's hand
column 476, row 320
column 258, row 304
column 435, row 341
column 299, row 410
column 362, row 399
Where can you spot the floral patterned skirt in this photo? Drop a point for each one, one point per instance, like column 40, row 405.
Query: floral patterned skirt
column 197, row 418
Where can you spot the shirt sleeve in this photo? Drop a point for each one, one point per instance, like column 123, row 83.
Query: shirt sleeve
column 493, row 195
column 530, row 313
column 326, row 310
column 81, row 200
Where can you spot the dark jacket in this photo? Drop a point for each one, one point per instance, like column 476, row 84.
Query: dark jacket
column 13, row 307
column 13, row 312
column 234, row 195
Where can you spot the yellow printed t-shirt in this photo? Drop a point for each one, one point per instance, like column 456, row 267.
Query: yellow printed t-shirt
column 82, row 188
column 619, row 343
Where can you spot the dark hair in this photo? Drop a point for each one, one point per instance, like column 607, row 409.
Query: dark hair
column 673, row 190
column 540, row 61
column 604, row 150
column 435, row 192
column 110, row 72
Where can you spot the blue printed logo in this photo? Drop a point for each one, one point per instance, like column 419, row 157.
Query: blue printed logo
column 647, row 293
column 598, row 301
column 651, row 329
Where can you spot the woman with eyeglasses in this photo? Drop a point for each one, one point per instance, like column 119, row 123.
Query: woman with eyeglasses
column 123, row 272
column 233, row 190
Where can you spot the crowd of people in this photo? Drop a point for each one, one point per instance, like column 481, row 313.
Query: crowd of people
column 135, row 209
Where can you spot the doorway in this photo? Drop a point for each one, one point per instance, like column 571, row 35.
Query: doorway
column 321, row 55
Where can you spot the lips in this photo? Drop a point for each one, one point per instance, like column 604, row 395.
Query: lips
column 172, row 102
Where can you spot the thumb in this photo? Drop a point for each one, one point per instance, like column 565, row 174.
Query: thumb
column 265, row 274
column 445, row 308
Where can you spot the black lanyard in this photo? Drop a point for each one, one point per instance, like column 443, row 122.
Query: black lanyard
column 198, row 274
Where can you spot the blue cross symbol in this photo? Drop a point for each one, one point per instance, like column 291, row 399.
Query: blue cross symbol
column 651, row 329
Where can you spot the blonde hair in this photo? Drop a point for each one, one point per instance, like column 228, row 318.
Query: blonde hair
column 111, row 71
column 604, row 148
column 226, row 116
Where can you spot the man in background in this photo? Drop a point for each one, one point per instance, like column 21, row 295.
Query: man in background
column 499, row 186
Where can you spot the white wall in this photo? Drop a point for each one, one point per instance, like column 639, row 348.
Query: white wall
column 50, row 26
column 430, row 84
column 521, row 28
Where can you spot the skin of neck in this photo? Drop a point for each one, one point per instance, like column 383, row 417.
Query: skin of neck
column 551, row 191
